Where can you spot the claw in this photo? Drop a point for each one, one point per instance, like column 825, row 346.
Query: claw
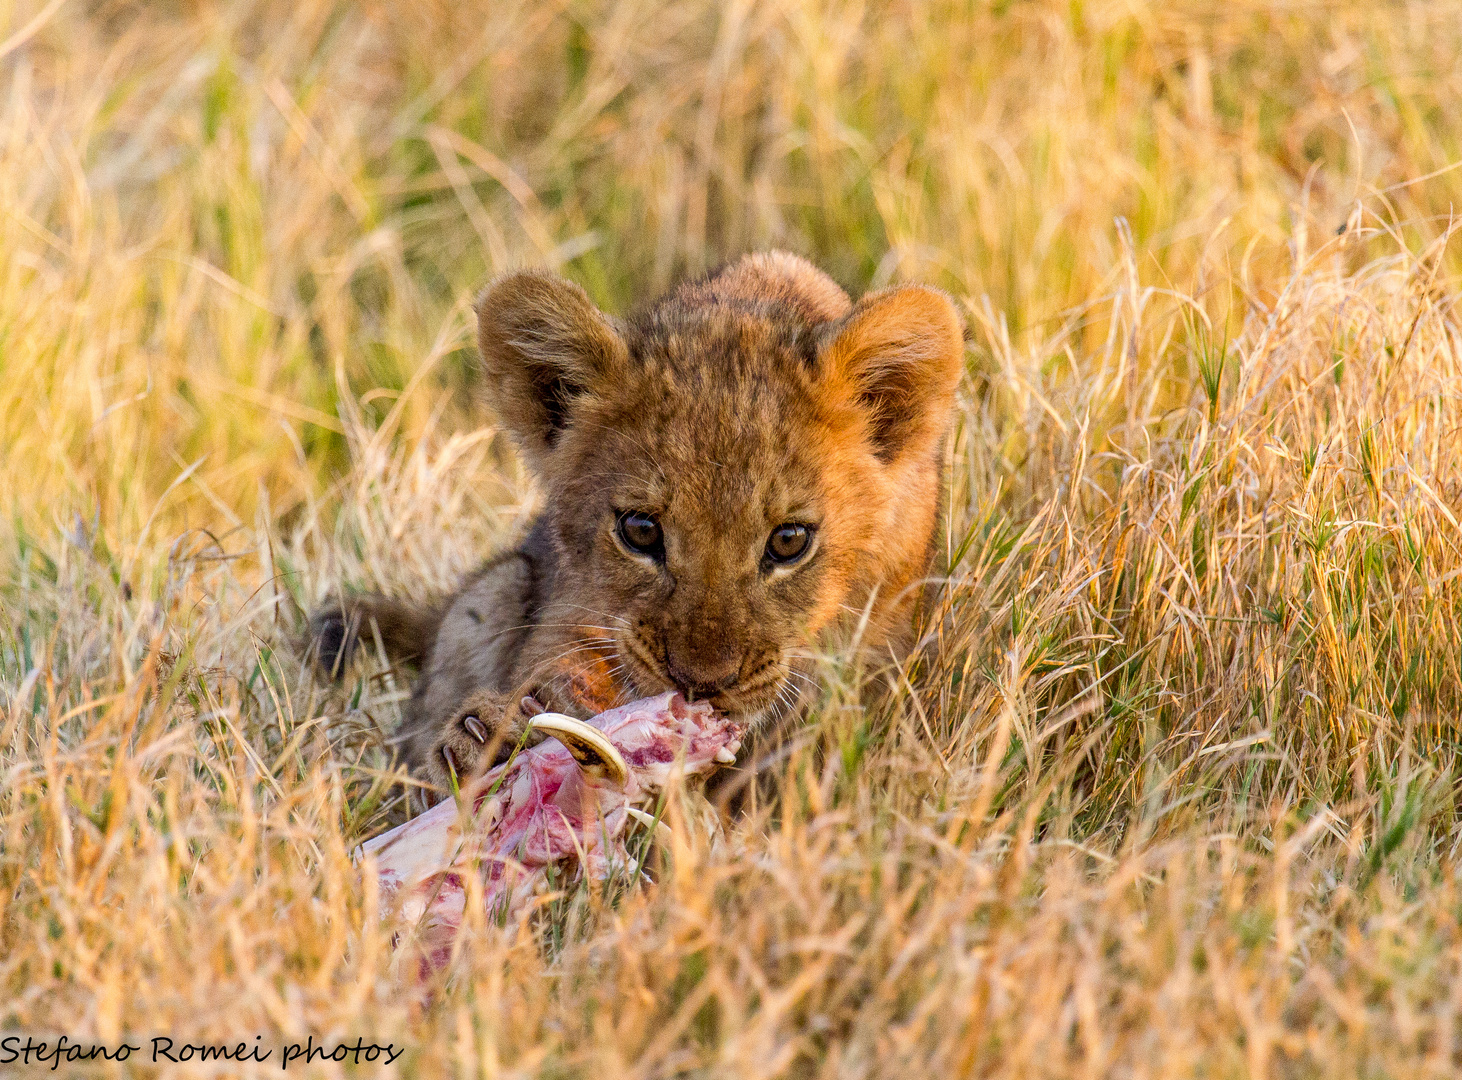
column 475, row 728
column 451, row 761
column 594, row 753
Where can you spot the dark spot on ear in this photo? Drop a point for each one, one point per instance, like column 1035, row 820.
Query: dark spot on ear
column 475, row 616
column 555, row 394
column 805, row 345
column 556, row 399
column 893, row 419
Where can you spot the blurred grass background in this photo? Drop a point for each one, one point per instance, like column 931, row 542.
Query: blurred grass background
column 1171, row 794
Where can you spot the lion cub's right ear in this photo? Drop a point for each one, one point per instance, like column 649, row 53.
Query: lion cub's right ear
column 543, row 344
column 900, row 354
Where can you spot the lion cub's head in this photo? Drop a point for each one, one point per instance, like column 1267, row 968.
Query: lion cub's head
column 729, row 468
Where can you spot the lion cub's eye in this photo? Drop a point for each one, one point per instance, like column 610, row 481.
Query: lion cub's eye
column 789, row 542
column 641, row 533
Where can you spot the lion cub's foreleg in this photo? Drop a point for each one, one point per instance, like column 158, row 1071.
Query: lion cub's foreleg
column 462, row 713
column 489, row 663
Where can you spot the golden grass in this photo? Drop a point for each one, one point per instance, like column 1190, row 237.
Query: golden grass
column 1172, row 791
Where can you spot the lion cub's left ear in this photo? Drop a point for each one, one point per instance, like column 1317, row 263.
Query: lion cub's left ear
column 900, row 353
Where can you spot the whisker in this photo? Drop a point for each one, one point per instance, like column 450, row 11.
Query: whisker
column 807, row 680
column 573, row 649
column 622, row 620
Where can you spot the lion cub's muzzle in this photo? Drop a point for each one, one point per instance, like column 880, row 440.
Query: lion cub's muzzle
column 752, row 686
column 699, row 682
column 732, row 680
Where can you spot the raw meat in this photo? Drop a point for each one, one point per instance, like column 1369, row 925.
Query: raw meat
column 545, row 808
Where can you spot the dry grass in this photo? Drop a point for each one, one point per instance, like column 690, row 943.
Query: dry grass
column 1173, row 794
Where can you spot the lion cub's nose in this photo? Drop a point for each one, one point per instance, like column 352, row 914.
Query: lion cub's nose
column 700, row 681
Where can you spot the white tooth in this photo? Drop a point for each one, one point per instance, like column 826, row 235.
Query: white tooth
column 648, row 822
column 726, row 756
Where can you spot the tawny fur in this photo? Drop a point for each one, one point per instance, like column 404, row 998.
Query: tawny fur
column 757, row 396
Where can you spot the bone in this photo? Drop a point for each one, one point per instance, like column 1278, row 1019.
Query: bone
column 563, row 803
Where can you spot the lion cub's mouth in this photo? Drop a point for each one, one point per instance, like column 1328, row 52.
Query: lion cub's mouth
column 769, row 688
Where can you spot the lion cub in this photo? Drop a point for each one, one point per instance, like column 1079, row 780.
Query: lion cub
column 726, row 471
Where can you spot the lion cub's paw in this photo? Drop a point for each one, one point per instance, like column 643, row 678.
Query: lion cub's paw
column 482, row 731
column 487, row 726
